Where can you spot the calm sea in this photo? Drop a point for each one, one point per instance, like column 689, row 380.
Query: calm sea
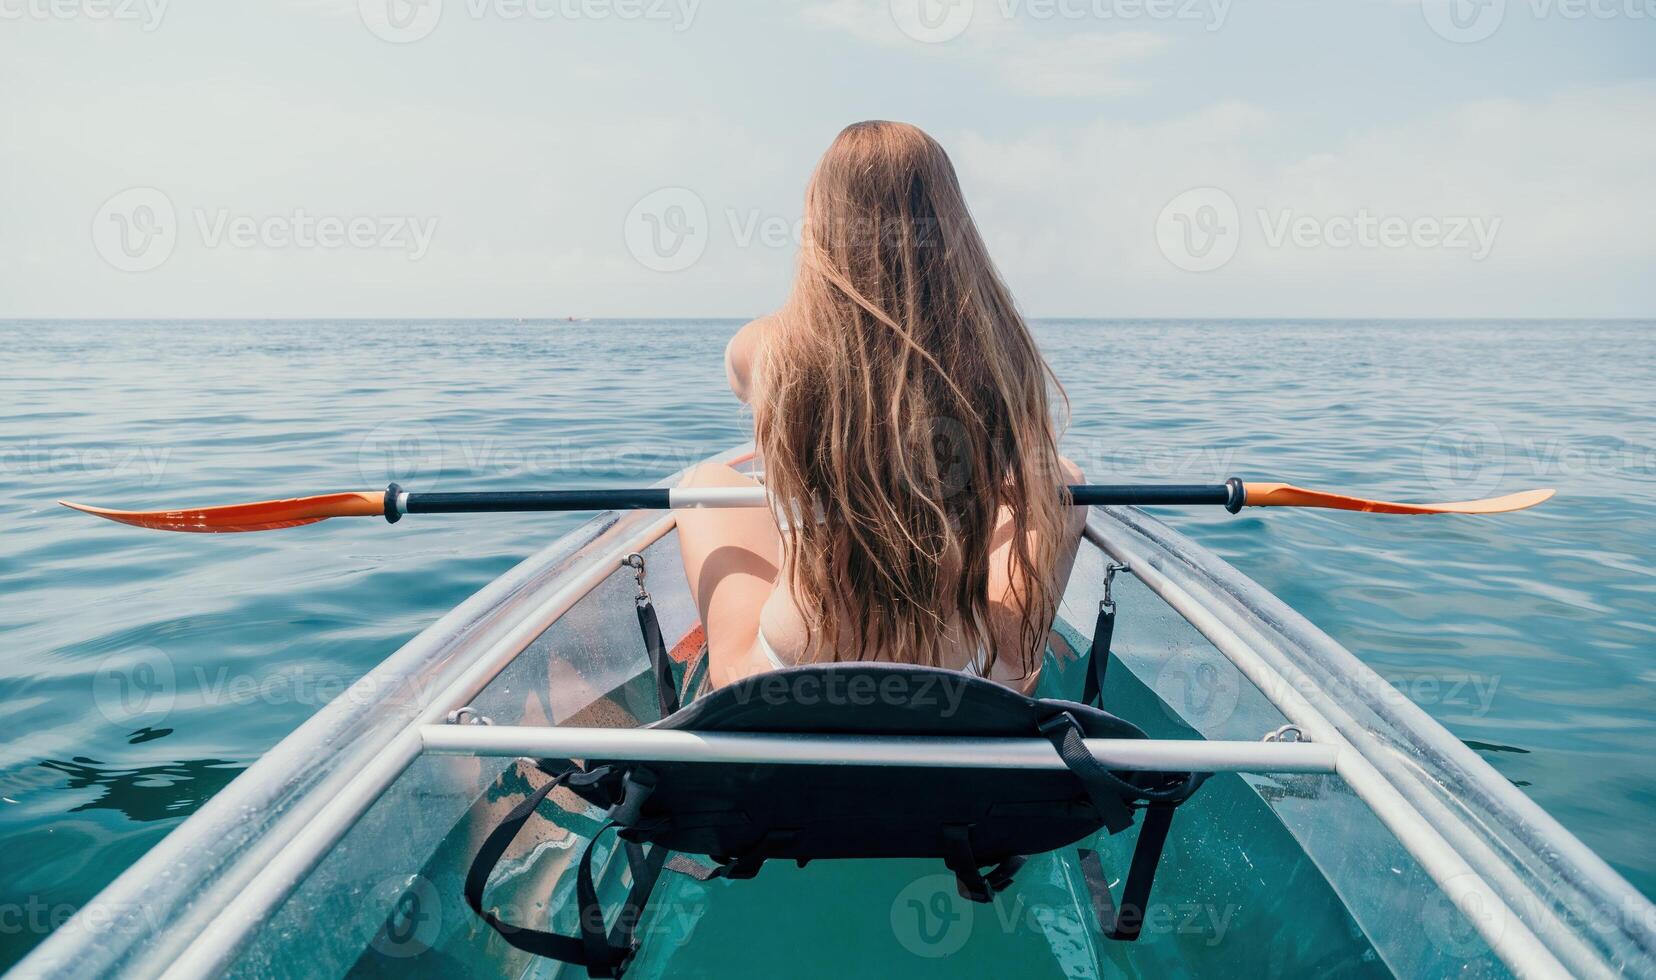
column 1530, row 636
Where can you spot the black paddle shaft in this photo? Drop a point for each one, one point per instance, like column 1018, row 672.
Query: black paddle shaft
column 537, row 500
column 1228, row 495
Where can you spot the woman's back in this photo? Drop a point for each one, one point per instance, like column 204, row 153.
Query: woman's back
column 902, row 413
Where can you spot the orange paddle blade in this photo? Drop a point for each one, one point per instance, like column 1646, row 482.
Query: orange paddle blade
column 1283, row 495
column 266, row 515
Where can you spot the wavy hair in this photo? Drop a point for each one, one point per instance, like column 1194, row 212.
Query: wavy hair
column 903, row 404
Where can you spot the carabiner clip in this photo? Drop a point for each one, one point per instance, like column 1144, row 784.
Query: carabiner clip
column 1107, row 604
column 635, row 561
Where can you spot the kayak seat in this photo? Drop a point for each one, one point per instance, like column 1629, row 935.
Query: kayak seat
column 981, row 823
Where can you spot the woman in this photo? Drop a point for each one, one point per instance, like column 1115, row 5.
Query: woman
column 901, row 411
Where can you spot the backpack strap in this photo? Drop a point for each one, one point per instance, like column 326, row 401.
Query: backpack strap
column 970, row 881
column 1115, row 798
column 603, row 954
column 739, row 867
column 1109, row 793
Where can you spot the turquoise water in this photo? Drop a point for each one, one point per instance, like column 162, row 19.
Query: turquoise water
column 1528, row 635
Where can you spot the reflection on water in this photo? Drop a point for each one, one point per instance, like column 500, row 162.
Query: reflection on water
column 147, row 792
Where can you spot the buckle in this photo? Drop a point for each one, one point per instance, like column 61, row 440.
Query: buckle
column 1057, row 723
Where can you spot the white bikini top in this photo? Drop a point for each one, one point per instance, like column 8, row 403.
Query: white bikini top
column 974, row 668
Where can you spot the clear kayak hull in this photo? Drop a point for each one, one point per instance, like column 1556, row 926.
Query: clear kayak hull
column 342, row 851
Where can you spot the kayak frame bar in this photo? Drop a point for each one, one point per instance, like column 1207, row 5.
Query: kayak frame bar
column 1231, row 495
column 946, row 752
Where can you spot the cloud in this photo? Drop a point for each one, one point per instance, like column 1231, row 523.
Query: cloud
column 1565, row 176
column 1050, row 64
column 1081, row 65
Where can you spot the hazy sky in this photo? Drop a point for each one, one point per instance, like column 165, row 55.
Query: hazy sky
column 647, row 157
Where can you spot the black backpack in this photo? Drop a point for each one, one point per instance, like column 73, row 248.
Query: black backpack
column 981, row 822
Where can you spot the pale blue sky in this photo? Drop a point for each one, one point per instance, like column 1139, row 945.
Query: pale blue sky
column 498, row 163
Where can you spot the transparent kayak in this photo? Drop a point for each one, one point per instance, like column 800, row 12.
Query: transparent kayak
column 341, row 852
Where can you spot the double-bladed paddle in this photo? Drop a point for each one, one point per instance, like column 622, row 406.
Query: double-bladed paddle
column 393, row 502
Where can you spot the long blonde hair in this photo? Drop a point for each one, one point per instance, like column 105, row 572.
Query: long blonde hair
column 902, row 398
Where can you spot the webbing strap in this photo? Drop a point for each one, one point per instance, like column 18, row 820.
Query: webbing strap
column 666, row 687
column 739, row 867
column 602, row 955
column 1109, row 793
column 1124, row 922
column 1135, row 894
column 1098, row 887
column 1098, row 657
column 971, row 882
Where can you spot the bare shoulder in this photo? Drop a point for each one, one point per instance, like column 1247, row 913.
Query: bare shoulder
column 742, row 355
